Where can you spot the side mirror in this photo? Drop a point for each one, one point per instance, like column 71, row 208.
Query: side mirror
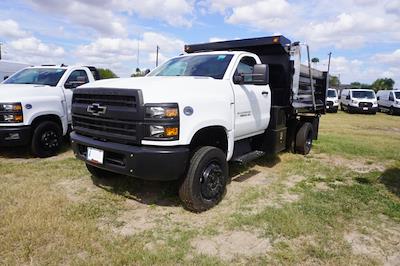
column 147, row 71
column 340, row 97
column 378, row 98
column 238, row 79
column 5, row 77
column 261, row 74
column 348, row 97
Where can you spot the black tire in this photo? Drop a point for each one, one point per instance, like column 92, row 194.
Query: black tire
column 304, row 138
column 100, row 173
column 46, row 139
column 341, row 107
column 391, row 110
column 205, row 183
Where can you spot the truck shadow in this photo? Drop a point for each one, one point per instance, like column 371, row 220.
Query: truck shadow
column 165, row 193
column 24, row 152
column 391, row 179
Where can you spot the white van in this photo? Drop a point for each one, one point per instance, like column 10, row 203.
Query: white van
column 389, row 101
column 332, row 101
column 358, row 100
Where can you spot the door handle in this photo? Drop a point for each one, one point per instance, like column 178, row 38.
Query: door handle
column 264, row 93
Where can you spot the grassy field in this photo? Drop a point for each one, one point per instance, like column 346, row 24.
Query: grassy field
column 339, row 205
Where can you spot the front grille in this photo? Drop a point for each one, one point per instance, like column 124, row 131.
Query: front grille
column 120, row 121
column 329, row 103
column 110, row 100
column 363, row 104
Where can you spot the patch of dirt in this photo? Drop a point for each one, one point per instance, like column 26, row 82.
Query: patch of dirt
column 360, row 165
column 134, row 222
column 23, row 156
column 382, row 243
column 231, row 245
column 76, row 189
column 321, row 186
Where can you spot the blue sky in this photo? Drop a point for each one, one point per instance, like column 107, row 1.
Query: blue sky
column 363, row 35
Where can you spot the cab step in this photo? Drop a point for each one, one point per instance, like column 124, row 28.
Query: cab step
column 248, row 157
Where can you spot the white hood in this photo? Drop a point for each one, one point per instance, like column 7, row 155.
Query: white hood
column 23, row 92
column 168, row 89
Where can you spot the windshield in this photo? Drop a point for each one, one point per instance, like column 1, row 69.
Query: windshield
column 331, row 93
column 213, row 66
column 363, row 94
column 397, row 95
column 40, row 76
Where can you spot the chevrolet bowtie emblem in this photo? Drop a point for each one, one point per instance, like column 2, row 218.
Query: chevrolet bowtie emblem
column 96, row 109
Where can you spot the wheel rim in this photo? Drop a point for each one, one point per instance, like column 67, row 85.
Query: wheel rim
column 49, row 140
column 309, row 140
column 211, row 181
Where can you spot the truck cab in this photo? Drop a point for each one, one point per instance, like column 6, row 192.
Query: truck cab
column 358, row 101
column 332, row 101
column 218, row 102
column 389, row 101
column 35, row 106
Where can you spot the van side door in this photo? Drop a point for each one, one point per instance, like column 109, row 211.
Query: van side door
column 252, row 102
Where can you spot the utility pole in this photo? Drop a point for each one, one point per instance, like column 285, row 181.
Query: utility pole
column 0, row 49
column 158, row 50
column 138, row 51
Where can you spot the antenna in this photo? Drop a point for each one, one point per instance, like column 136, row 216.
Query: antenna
column 138, row 51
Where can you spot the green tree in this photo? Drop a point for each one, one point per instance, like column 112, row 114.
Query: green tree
column 383, row 84
column 360, row 85
column 334, row 81
column 106, row 73
column 315, row 60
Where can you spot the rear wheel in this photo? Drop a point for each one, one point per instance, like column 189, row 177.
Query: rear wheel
column 391, row 111
column 46, row 139
column 304, row 139
column 205, row 183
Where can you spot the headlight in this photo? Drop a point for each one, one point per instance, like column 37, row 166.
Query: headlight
column 11, row 113
column 10, row 107
column 164, row 132
column 162, row 121
column 162, row 111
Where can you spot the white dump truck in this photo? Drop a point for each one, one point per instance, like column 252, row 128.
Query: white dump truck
column 218, row 102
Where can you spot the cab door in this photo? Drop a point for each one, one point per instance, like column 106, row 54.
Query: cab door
column 76, row 78
column 252, row 102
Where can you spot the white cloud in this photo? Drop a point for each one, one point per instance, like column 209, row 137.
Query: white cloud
column 120, row 54
column 392, row 59
column 10, row 29
column 34, row 51
column 91, row 14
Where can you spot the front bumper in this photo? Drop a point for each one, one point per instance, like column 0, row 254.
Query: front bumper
column 144, row 162
column 363, row 109
column 15, row 136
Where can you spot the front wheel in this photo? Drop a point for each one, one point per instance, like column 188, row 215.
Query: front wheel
column 205, row 183
column 46, row 139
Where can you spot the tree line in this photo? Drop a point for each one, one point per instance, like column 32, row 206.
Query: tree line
column 378, row 84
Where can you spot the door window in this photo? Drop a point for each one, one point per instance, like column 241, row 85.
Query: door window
column 245, row 68
column 391, row 97
column 76, row 78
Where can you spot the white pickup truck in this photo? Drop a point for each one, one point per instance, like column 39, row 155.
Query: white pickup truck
column 219, row 102
column 35, row 106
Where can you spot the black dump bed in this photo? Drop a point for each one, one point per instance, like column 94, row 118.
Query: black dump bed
column 275, row 51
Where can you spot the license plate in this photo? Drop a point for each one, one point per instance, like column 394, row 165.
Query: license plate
column 95, row 155
column 365, row 108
